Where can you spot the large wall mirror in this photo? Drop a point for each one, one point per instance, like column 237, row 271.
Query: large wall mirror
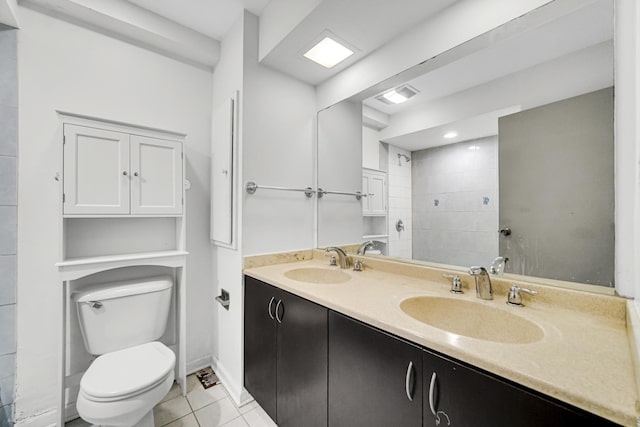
column 502, row 146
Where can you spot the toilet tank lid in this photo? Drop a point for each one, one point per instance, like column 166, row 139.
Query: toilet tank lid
column 119, row 289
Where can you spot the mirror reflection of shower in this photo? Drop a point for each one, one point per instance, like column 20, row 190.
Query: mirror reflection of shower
column 406, row 158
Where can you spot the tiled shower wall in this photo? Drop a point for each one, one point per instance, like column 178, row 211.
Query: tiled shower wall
column 455, row 203
column 399, row 191
column 8, row 225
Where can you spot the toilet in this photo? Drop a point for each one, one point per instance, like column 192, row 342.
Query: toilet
column 120, row 322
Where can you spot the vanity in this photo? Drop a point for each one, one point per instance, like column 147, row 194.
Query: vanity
column 330, row 346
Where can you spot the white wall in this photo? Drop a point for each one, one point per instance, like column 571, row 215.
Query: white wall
column 370, row 148
column 627, row 154
column 65, row 67
column 226, row 329
column 276, row 147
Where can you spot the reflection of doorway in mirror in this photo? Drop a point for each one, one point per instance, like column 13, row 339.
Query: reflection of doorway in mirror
column 455, row 203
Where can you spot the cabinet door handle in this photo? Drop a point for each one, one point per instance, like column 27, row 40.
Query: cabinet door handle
column 135, row 174
column 271, row 304
column 432, row 390
column 124, row 173
column 278, row 318
column 408, row 382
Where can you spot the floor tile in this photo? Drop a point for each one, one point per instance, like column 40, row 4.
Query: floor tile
column 217, row 414
column 258, row 418
column 188, row 421
column 171, row 410
column 248, row 407
column 199, row 397
column 173, row 393
column 238, row 422
column 192, row 382
column 78, row 422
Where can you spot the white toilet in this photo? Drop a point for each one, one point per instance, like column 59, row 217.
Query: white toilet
column 121, row 321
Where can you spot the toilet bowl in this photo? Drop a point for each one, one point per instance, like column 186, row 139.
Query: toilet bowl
column 121, row 388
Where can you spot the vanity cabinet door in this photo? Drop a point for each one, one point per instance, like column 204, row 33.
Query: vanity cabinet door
column 374, row 378
column 461, row 396
column 301, row 363
column 260, row 343
column 285, row 355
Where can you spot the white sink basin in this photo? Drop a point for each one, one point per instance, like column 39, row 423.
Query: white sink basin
column 318, row 275
column 472, row 320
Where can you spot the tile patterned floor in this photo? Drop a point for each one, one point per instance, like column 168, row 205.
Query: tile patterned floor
column 202, row 408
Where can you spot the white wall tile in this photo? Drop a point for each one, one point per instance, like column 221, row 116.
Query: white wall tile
column 8, row 180
column 6, row 415
column 8, row 82
column 7, row 280
column 8, row 130
column 7, row 329
column 7, row 230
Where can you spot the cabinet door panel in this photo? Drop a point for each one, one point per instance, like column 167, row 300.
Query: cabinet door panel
column 96, row 171
column 468, row 397
column 302, row 363
column 377, row 204
column 368, row 379
column 156, row 182
column 260, row 344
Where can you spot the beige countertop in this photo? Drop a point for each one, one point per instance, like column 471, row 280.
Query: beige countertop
column 584, row 358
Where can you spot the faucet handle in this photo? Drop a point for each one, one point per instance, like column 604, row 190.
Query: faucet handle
column 514, row 297
column 456, row 283
column 332, row 260
column 358, row 265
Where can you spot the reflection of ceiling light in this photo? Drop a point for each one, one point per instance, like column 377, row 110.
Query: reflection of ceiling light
column 397, row 95
column 450, row 135
column 474, row 148
column 328, row 53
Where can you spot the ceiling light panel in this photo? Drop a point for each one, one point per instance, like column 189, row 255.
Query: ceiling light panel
column 397, row 95
column 328, row 53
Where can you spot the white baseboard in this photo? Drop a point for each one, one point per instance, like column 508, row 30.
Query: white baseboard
column 44, row 419
column 200, row 363
column 239, row 395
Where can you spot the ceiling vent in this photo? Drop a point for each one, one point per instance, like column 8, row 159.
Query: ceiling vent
column 397, row 95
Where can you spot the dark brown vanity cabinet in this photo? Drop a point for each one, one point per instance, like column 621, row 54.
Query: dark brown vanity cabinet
column 374, row 378
column 461, row 396
column 285, row 355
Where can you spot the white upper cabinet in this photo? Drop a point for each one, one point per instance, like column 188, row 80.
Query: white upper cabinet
column 156, row 176
column 374, row 185
column 115, row 173
column 96, row 171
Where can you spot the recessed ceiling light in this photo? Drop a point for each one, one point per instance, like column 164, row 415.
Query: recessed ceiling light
column 328, row 53
column 450, row 135
column 397, row 95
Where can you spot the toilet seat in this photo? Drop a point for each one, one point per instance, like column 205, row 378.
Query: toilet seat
column 126, row 373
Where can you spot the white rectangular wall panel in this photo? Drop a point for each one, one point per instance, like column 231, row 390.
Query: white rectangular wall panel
column 222, row 173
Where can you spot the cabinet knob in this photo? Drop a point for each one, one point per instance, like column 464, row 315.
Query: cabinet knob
column 124, row 173
column 135, row 174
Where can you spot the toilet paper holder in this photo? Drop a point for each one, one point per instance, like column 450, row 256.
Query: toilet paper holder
column 224, row 299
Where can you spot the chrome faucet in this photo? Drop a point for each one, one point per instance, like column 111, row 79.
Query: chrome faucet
column 343, row 258
column 483, row 282
column 498, row 265
column 362, row 250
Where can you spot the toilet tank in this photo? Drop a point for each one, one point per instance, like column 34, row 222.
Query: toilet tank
column 123, row 314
